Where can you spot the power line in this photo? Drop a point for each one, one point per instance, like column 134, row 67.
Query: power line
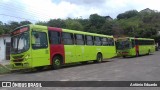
column 17, row 17
column 29, row 13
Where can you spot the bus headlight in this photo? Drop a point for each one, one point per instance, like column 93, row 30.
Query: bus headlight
column 27, row 56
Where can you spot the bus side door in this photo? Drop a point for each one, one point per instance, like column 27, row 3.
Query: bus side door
column 40, row 47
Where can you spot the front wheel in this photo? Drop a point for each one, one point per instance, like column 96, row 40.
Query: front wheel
column 99, row 58
column 57, row 62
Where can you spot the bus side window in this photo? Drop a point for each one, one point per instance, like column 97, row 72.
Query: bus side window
column 89, row 40
column 133, row 43
column 112, row 42
column 79, row 39
column 107, row 40
column 97, row 41
column 67, row 38
column 136, row 42
column 55, row 37
column 104, row 41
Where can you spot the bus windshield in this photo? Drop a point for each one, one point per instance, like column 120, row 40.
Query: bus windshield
column 120, row 45
column 20, row 43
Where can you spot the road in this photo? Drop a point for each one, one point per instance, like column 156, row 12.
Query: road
column 143, row 68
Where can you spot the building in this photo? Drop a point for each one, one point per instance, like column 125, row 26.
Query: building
column 5, row 40
column 108, row 18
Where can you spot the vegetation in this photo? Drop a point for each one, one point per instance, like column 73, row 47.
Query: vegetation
column 145, row 23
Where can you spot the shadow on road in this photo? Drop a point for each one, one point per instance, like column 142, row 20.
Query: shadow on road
column 128, row 57
column 31, row 71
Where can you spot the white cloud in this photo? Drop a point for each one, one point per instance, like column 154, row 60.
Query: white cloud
column 43, row 10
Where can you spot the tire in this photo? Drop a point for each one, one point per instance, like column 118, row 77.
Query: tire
column 99, row 58
column 57, row 62
column 124, row 56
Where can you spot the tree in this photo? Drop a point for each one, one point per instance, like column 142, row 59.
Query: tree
column 25, row 22
column 41, row 23
column 73, row 24
column 96, row 20
column 127, row 14
column 1, row 28
column 56, row 23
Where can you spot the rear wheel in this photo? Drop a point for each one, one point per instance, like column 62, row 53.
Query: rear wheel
column 124, row 56
column 99, row 58
column 57, row 62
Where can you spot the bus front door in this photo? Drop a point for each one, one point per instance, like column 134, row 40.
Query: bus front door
column 40, row 48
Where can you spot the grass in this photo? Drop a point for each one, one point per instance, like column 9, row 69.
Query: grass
column 5, row 69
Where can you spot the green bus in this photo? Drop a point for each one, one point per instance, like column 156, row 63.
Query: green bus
column 131, row 46
column 36, row 46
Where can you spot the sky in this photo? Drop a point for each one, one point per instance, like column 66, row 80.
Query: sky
column 44, row 10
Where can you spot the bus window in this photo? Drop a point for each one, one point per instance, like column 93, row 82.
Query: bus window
column 136, row 42
column 89, row 40
column 97, row 41
column 104, row 41
column 79, row 39
column 67, row 38
column 110, row 42
column 54, row 37
column 39, row 40
column 133, row 43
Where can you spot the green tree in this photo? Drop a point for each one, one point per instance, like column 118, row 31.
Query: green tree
column 73, row 24
column 56, row 23
column 41, row 23
column 25, row 22
column 1, row 28
column 127, row 14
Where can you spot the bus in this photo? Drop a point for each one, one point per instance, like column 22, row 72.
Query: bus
column 130, row 46
column 36, row 46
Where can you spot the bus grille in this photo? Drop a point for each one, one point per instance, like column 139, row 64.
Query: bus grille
column 18, row 64
column 18, row 60
column 16, row 57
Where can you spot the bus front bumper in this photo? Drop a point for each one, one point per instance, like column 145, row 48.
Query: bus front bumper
column 123, row 53
column 20, row 65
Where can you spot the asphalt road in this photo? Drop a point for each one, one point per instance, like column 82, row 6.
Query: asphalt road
column 143, row 68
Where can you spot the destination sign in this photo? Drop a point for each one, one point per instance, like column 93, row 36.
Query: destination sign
column 21, row 30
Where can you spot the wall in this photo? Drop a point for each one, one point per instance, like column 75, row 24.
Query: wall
column 3, row 47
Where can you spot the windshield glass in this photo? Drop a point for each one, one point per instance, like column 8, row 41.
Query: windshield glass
column 20, row 43
column 120, row 45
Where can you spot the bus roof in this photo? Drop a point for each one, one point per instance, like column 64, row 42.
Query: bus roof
column 74, row 31
column 125, row 38
column 86, row 33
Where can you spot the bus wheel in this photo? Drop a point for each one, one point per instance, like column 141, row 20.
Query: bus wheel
column 99, row 58
column 57, row 62
column 124, row 56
